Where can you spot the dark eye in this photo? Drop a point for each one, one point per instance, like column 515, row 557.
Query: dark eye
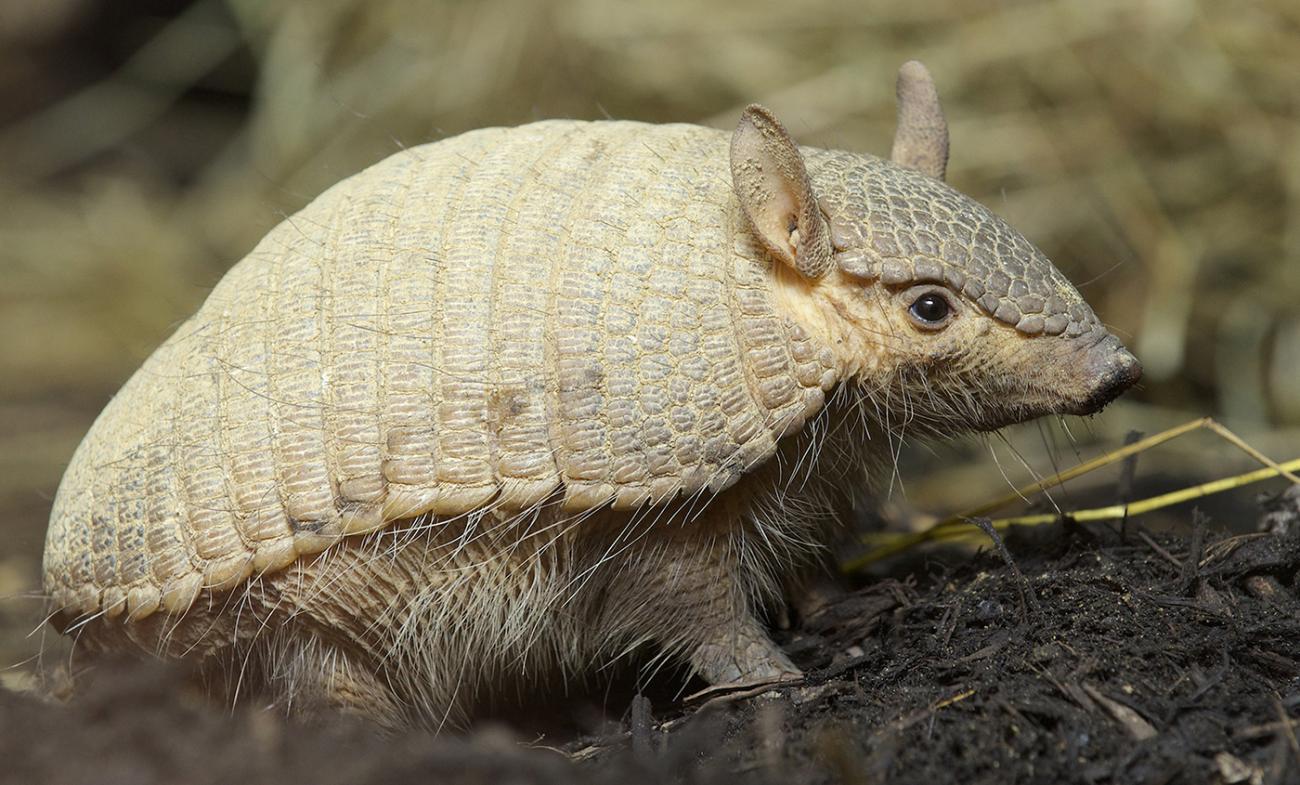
column 931, row 308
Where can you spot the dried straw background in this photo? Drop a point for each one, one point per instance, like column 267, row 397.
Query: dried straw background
column 1150, row 147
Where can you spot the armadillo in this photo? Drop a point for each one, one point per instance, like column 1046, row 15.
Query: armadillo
column 517, row 404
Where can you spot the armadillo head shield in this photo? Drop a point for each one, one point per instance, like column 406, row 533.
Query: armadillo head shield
column 1020, row 343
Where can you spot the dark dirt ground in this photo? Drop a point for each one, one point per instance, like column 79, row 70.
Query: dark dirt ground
column 1137, row 659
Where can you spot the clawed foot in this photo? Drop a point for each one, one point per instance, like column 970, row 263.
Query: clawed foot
column 744, row 658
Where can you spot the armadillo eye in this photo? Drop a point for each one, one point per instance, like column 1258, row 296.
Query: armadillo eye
column 931, row 309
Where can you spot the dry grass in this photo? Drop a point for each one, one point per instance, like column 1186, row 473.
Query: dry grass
column 1151, row 148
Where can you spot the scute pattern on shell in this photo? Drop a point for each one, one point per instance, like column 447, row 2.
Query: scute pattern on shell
column 564, row 313
column 915, row 229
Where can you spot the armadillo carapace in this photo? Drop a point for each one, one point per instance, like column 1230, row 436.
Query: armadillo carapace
column 519, row 403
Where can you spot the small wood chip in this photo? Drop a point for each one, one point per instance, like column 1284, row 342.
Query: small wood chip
column 1132, row 722
column 1233, row 769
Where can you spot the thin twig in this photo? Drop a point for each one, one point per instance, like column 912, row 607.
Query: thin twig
column 1155, row 546
column 1027, row 597
column 1127, row 474
column 1191, row 565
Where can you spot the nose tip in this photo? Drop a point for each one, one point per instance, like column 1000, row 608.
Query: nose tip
column 1121, row 367
column 1112, row 369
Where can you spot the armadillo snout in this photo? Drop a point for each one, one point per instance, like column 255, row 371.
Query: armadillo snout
column 1110, row 370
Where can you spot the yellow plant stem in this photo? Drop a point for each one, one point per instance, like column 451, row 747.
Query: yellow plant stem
column 896, row 543
column 1117, row 511
column 956, row 526
column 1020, row 494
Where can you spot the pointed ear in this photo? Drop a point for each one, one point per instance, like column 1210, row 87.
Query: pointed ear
column 921, row 140
column 772, row 184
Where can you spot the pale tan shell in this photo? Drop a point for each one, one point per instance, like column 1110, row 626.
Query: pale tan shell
column 562, row 311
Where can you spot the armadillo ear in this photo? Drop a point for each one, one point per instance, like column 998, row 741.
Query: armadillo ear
column 776, row 195
column 921, row 141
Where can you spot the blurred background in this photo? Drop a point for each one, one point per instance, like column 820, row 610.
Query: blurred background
column 1150, row 147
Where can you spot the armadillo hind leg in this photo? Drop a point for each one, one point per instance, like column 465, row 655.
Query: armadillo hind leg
column 307, row 678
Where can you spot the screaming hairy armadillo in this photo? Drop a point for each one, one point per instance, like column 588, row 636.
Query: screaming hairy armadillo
column 516, row 404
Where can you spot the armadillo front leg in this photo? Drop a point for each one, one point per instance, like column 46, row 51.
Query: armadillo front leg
column 691, row 597
column 730, row 644
column 742, row 652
